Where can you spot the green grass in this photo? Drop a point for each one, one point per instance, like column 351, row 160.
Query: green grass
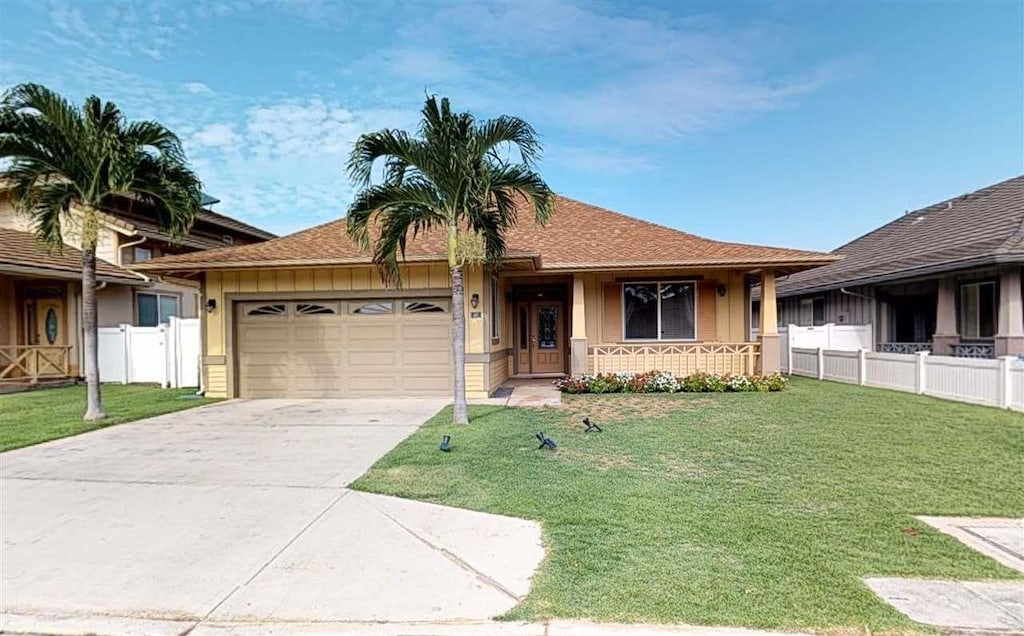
column 33, row 417
column 761, row 510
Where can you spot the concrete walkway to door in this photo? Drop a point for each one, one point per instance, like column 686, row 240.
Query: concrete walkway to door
column 239, row 511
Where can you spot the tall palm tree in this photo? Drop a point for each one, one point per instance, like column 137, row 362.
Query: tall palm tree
column 455, row 177
column 61, row 157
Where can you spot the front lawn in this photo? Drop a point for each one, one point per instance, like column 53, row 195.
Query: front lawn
column 760, row 510
column 39, row 416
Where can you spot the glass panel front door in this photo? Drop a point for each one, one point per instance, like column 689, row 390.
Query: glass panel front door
column 548, row 355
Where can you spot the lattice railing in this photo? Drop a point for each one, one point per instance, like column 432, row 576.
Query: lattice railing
column 28, row 362
column 974, row 350
column 677, row 358
column 904, row 347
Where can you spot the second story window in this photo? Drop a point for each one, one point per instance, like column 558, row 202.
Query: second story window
column 141, row 254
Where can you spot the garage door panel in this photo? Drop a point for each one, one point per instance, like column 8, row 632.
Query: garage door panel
column 296, row 354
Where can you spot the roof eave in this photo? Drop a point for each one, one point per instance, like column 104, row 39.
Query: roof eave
column 915, row 272
column 68, row 274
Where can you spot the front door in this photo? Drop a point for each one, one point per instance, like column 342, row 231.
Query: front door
column 45, row 324
column 543, row 350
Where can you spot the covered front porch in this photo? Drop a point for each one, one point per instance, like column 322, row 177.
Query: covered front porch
column 680, row 321
column 38, row 330
column 975, row 314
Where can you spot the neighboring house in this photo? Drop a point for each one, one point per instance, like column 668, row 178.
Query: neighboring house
column 40, row 289
column 945, row 278
column 306, row 315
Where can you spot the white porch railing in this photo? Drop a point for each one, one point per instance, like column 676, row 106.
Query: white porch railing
column 678, row 358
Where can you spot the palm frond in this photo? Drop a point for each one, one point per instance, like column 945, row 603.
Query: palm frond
column 492, row 134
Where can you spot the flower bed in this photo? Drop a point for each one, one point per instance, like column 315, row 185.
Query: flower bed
column 664, row 382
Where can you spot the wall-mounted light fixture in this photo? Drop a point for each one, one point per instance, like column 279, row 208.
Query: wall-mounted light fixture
column 474, row 301
column 211, row 305
column 721, row 290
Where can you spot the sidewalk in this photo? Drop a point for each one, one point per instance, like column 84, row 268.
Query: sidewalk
column 125, row 626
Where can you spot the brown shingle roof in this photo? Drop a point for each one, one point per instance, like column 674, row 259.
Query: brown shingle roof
column 22, row 251
column 579, row 236
column 982, row 227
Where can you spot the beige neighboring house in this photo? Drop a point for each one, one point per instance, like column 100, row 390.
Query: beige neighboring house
column 40, row 289
column 306, row 315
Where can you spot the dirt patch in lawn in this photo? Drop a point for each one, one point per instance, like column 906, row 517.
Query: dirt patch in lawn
column 617, row 407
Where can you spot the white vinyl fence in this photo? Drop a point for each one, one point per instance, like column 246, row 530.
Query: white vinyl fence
column 997, row 382
column 830, row 336
column 167, row 355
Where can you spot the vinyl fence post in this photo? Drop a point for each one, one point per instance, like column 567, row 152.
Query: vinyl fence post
column 126, row 352
column 862, row 367
column 922, row 380
column 789, row 355
column 821, row 363
column 1005, row 388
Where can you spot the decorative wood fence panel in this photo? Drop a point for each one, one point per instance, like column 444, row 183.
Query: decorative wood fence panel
column 30, row 362
column 679, row 359
column 997, row 383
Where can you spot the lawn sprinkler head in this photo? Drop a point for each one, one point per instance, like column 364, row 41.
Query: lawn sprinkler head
column 446, row 443
column 545, row 442
column 591, row 428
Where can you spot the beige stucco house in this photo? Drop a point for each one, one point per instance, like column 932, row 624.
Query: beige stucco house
column 307, row 315
column 40, row 288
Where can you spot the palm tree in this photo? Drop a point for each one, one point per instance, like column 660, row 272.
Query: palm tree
column 453, row 177
column 61, row 157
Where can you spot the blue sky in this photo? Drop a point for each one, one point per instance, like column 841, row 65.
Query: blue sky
column 791, row 123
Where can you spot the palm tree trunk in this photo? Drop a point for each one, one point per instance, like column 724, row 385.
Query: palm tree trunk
column 94, row 405
column 459, row 344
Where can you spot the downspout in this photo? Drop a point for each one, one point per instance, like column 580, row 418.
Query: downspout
column 874, row 311
column 120, row 257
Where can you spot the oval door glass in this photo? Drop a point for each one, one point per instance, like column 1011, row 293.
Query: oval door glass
column 51, row 326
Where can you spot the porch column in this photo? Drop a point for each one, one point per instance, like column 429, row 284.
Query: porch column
column 578, row 339
column 946, row 334
column 769, row 336
column 1010, row 337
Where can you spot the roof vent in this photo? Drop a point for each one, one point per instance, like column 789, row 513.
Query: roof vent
column 918, row 219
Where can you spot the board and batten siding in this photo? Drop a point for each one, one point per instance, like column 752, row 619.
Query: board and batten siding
column 720, row 318
column 840, row 309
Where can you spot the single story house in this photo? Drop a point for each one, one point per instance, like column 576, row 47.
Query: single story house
column 307, row 315
column 40, row 288
column 945, row 278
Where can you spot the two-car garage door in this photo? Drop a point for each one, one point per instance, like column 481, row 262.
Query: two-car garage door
column 344, row 348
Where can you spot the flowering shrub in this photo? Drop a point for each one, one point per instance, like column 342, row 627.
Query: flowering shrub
column 664, row 382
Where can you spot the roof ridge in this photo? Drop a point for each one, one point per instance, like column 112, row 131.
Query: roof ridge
column 942, row 206
column 678, row 231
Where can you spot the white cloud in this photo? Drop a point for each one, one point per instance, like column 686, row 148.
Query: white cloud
column 215, row 136
column 197, row 88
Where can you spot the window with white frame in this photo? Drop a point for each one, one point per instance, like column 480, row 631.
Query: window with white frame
column 978, row 310
column 495, row 309
column 155, row 309
column 659, row 311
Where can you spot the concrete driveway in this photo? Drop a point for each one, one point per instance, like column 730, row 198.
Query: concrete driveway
column 239, row 512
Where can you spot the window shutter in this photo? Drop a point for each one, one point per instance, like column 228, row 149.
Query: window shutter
column 707, row 314
column 611, row 325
